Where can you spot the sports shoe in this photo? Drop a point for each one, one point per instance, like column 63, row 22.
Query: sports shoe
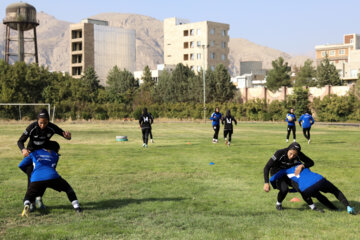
column 318, row 209
column 152, row 141
column 144, row 144
column 226, row 142
column 78, row 210
column 309, row 141
column 350, row 210
column 39, row 203
column 279, row 207
column 32, row 207
column 294, row 140
column 26, row 211
column 287, row 140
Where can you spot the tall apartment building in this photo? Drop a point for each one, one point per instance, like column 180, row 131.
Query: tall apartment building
column 197, row 45
column 94, row 43
column 345, row 56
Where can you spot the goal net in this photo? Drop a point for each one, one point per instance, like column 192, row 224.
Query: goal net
column 21, row 111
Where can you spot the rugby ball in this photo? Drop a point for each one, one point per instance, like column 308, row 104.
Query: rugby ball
column 289, row 118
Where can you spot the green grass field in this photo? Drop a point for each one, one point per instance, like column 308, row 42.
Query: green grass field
column 169, row 191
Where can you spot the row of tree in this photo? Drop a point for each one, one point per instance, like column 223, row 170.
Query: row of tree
column 307, row 75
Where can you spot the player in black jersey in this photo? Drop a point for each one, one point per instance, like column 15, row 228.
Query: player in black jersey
column 283, row 159
column 145, row 122
column 39, row 133
column 227, row 121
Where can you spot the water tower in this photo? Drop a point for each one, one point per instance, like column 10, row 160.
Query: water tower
column 20, row 17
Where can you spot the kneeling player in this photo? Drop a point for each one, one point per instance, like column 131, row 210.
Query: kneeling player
column 310, row 184
column 45, row 176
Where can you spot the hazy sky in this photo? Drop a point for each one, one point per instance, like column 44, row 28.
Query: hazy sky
column 293, row 26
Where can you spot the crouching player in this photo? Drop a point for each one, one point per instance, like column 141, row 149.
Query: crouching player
column 310, row 184
column 45, row 176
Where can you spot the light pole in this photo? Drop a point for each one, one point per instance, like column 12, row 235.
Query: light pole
column 204, row 86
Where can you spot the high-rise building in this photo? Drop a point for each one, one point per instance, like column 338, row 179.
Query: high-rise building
column 95, row 44
column 197, row 45
column 345, row 56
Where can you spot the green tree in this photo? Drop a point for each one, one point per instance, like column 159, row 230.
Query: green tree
column 224, row 88
column 299, row 100
column 327, row 74
column 121, row 85
column 148, row 81
column 305, row 76
column 278, row 76
column 90, row 84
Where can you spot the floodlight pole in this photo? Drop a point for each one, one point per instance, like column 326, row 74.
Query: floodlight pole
column 204, row 86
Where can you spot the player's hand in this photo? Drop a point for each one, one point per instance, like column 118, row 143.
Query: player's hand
column 266, row 187
column 299, row 169
column 67, row 135
column 25, row 152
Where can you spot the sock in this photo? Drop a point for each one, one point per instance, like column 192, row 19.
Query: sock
column 26, row 202
column 75, row 204
column 278, row 203
column 312, row 206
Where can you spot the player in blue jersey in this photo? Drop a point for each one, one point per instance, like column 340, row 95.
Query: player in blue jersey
column 310, row 184
column 216, row 117
column 291, row 120
column 306, row 121
column 45, row 176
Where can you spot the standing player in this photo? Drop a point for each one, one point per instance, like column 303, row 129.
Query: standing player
column 306, row 121
column 291, row 120
column 145, row 122
column 216, row 117
column 227, row 121
column 310, row 184
column 283, row 159
column 43, row 176
column 40, row 133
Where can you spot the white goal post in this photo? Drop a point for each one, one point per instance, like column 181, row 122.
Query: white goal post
column 27, row 104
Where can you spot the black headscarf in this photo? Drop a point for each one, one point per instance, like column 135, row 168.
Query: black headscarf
column 294, row 146
column 228, row 113
column 44, row 114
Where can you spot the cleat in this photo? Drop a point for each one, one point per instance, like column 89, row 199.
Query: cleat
column 350, row 210
column 152, row 141
column 144, row 145
column 39, row 203
column 226, row 142
column 318, row 210
column 287, row 140
column 279, row 207
column 294, row 140
column 309, row 141
column 78, row 210
column 26, row 211
column 32, row 207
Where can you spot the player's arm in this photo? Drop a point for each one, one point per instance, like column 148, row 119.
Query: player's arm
column 59, row 131
column 25, row 163
column 21, row 142
column 234, row 120
column 277, row 176
column 312, row 120
column 300, row 119
column 286, row 119
column 308, row 162
column 212, row 116
column 140, row 121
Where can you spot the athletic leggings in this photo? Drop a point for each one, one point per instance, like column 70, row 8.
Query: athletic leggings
column 326, row 187
column 306, row 132
column 289, row 129
column 59, row 184
column 145, row 135
column 283, row 186
column 216, row 130
column 226, row 132
column 150, row 133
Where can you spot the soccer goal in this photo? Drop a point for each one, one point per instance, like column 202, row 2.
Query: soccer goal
column 26, row 104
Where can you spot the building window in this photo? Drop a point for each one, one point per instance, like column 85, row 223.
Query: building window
column 212, row 43
column 223, row 32
column 186, row 33
column 212, row 31
column 192, row 32
column 223, row 57
column 76, row 58
column 342, row 52
column 212, row 68
column 212, row 55
column 223, row 44
column 198, row 32
column 76, row 71
column 186, row 57
column 76, row 46
column 192, row 44
column 198, row 43
column 332, row 53
column 198, row 56
column 323, row 53
column 186, row 45
column 76, row 34
column 191, row 56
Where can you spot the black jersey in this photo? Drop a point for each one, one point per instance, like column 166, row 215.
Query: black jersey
column 38, row 137
column 227, row 121
column 146, row 120
column 280, row 160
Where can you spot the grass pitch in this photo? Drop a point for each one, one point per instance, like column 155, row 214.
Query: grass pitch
column 169, row 191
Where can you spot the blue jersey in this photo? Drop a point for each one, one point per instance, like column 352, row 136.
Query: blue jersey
column 307, row 120
column 291, row 123
column 216, row 117
column 44, row 165
column 305, row 179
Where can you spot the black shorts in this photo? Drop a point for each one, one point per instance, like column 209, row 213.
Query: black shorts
column 38, row 188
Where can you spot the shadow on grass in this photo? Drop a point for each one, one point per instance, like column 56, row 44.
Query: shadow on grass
column 116, row 203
